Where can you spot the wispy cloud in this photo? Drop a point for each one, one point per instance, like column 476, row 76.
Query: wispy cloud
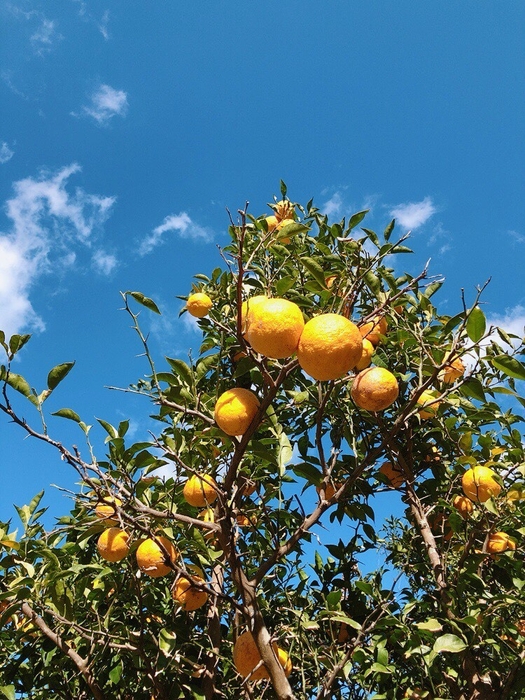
column 105, row 103
column 333, row 206
column 102, row 24
column 6, row 153
column 512, row 321
column 182, row 225
column 45, row 36
column 518, row 237
column 103, row 262
column 46, row 221
column 412, row 215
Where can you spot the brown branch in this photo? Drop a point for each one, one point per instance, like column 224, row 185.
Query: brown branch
column 61, row 644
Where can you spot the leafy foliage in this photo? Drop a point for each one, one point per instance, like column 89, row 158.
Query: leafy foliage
column 442, row 617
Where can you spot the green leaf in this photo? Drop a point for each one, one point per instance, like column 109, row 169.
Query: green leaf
column 67, row 413
column 285, row 452
column 167, row 641
column 17, row 342
column 431, row 625
column 432, row 288
column 373, row 282
column 333, row 599
column 115, row 673
column 144, row 301
column 58, row 373
column 357, row 218
column 315, row 269
column 181, row 369
column 509, row 366
column 283, row 285
column 372, row 235
column 473, row 388
column 449, row 642
column 388, row 230
column 291, row 230
column 284, row 189
column 17, row 382
column 110, row 430
column 476, row 324
column 8, row 691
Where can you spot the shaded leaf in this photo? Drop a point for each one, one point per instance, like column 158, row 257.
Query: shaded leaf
column 449, row 642
column 58, row 373
column 144, row 301
column 315, row 269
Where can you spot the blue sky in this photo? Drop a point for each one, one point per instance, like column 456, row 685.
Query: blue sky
column 128, row 128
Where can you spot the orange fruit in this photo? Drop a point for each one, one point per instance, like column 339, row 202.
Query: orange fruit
column 246, row 657
column 393, row 473
column 374, row 329
column 516, row 493
column 200, row 490
column 375, row 389
column 245, row 521
column 208, row 516
column 452, row 371
column 248, row 305
column 199, row 304
column 440, row 525
column 500, row 542
column 235, row 409
column 343, row 635
column 273, row 328
column 108, row 508
column 113, row 544
column 152, row 559
column 521, row 627
column 329, row 491
column 479, row 485
column 284, row 210
column 329, row 347
column 186, row 594
column 429, row 404
column 366, row 355
column 463, row 505
column 247, row 486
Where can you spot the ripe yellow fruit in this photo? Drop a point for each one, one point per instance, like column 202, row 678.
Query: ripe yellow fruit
column 235, row 409
column 463, row 505
column 452, row 371
column 246, row 521
column 330, row 345
column 282, row 224
column 113, row 544
column 248, row 305
column 152, row 559
column 199, row 304
column 429, row 404
column 246, row 657
column 366, row 355
column 208, row 516
column 374, row 329
column 393, row 473
column 186, row 594
column 516, row 493
column 273, row 327
column 500, row 542
column 479, row 485
column 375, row 389
column 271, row 222
column 106, row 510
column 200, row 490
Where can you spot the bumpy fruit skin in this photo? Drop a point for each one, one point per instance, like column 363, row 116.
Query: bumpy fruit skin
column 248, row 305
column 430, row 410
column 499, row 542
column 366, row 355
column 188, row 596
column 271, row 222
column 479, row 485
column 113, row 544
column 246, row 657
column 375, row 389
column 235, row 409
column 199, row 490
column 199, row 304
column 452, row 371
column 463, row 505
column 330, row 345
column 107, row 508
column 374, row 329
column 394, row 475
column 273, row 328
column 151, row 558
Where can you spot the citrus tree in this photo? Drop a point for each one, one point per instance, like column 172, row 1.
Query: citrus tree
column 325, row 376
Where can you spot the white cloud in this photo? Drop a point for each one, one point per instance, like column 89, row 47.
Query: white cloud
column 5, row 153
column 104, row 262
column 414, row 214
column 518, row 237
column 103, row 25
column 512, row 321
column 106, row 103
column 46, row 222
column 180, row 224
column 333, row 206
column 45, row 36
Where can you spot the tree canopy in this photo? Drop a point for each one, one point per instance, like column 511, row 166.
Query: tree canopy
column 262, row 529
